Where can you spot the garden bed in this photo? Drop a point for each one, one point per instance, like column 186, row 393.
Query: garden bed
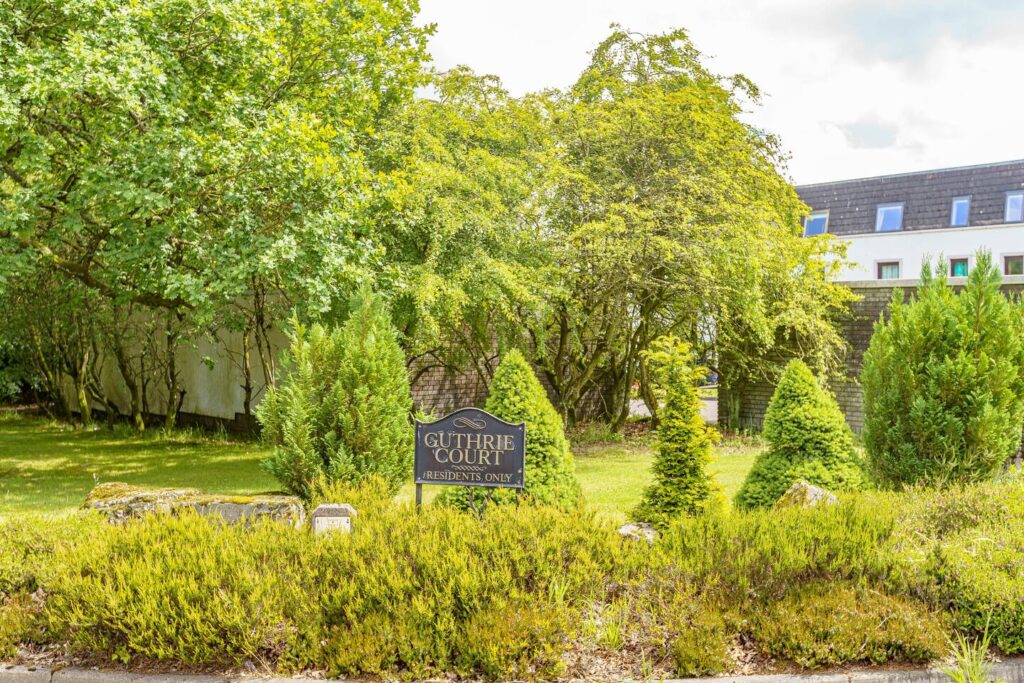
column 523, row 593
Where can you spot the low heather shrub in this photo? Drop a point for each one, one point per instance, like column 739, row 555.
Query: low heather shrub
column 445, row 592
column 514, row 593
column 974, row 560
column 829, row 624
column 761, row 554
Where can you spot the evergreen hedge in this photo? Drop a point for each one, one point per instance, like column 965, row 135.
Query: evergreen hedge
column 342, row 411
column 943, row 381
column 681, row 482
column 516, row 395
column 808, row 439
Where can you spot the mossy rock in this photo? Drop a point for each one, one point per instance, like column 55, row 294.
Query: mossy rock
column 805, row 495
column 120, row 502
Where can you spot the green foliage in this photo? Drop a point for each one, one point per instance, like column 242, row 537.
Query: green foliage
column 446, row 592
column 681, row 482
column 466, row 260
column 760, row 555
column 808, row 439
column 220, row 147
column 702, row 235
column 702, row 647
column 342, row 412
column 824, row 624
column 970, row 659
column 975, row 567
column 943, row 381
column 882, row 577
column 516, row 395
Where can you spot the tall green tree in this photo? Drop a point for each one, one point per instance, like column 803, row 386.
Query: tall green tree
column 462, row 224
column 943, row 381
column 206, row 163
column 672, row 216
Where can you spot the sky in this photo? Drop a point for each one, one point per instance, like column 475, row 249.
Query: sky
column 852, row 88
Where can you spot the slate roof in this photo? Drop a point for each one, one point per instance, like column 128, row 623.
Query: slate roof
column 927, row 197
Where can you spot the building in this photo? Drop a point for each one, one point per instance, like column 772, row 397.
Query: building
column 892, row 225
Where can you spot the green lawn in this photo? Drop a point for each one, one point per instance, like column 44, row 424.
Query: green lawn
column 48, row 467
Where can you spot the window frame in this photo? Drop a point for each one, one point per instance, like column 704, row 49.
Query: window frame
column 1006, row 207
column 970, row 265
column 952, row 212
column 880, row 208
column 1007, row 257
column 889, row 262
column 820, row 212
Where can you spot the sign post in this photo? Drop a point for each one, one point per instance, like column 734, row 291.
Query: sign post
column 469, row 447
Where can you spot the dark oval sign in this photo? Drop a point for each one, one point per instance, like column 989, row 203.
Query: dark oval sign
column 470, row 447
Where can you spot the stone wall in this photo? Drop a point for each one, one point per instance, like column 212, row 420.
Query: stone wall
column 749, row 400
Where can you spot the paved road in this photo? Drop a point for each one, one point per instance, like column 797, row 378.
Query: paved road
column 709, row 409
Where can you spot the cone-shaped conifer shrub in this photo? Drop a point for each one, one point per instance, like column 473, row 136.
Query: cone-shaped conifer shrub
column 681, row 485
column 943, row 382
column 808, row 439
column 342, row 411
column 516, row 395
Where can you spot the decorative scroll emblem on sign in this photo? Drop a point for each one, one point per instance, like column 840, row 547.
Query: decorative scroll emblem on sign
column 470, row 447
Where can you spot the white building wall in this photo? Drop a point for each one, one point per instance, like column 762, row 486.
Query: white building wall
column 913, row 247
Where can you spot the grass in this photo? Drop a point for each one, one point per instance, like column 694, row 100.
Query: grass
column 50, row 467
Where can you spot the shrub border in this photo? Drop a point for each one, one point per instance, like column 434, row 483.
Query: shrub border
column 1010, row 670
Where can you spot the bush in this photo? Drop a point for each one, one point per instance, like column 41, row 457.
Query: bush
column 683, row 451
column 524, row 589
column 759, row 555
column 808, row 439
column 445, row 592
column 342, row 410
column 944, row 382
column 825, row 624
column 966, row 546
column 702, row 646
column 516, row 395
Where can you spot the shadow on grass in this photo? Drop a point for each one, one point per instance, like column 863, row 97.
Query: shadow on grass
column 47, row 467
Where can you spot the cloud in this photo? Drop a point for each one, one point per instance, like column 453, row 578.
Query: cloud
column 868, row 132
column 852, row 87
column 909, row 30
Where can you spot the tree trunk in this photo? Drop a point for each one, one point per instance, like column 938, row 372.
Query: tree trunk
column 174, row 401
column 246, row 373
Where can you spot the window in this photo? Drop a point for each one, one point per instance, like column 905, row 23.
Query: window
column 888, row 270
column 816, row 223
column 961, row 212
column 1015, row 207
column 1013, row 265
column 889, row 218
column 958, row 267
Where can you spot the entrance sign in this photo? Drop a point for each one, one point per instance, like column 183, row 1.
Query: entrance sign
column 470, row 447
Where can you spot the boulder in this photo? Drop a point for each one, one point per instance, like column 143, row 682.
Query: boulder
column 639, row 531
column 805, row 495
column 121, row 502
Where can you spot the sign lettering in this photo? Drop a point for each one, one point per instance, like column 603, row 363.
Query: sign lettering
column 470, row 447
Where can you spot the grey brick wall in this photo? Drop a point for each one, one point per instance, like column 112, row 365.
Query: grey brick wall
column 439, row 391
column 749, row 400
